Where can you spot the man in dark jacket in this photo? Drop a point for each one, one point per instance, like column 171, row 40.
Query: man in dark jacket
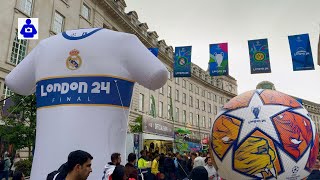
column 169, row 167
column 190, row 161
column 198, row 173
column 130, row 170
column 78, row 167
column 182, row 168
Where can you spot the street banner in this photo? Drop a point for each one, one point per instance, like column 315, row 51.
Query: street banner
column 259, row 56
column 301, row 53
column 154, row 51
column 218, row 63
column 182, row 61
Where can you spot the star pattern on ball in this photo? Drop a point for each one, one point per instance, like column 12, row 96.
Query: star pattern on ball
column 303, row 112
column 257, row 116
column 224, row 173
column 290, row 165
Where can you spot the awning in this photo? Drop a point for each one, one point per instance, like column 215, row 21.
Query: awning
column 156, row 137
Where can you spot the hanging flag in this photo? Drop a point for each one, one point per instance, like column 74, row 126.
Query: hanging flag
column 154, row 51
column 301, row 52
column 182, row 61
column 259, row 56
column 218, row 64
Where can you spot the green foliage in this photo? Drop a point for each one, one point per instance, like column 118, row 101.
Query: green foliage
column 20, row 125
column 136, row 127
column 24, row 166
column 153, row 107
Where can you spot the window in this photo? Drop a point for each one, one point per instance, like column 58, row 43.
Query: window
column 203, row 121
column 190, row 87
column 160, row 109
column 210, row 121
column 197, row 120
column 85, row 11
column 184, row 83
column 150, row 104
column 141, row 102
column 210, row 110
column 184, row 98
column 221, row 100
column 177, row 95
column 209, row 95
column 190, row 118
column 26, row 6
column 197, row 90
column 184, row 114
column 215, row 98
column 161, row 90
column 176, row 80
column 58, row 23
column 169, row 91
column 169, row 75
column 6, row 92
column 177, row 114
column 191, row 101
column 169, row 116
column 197, row 103
column 203, row 93
column 203, row 106
column 215, row 110
column 19, row 49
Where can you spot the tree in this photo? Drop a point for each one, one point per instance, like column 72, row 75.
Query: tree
column 19, row 126
column 136, row 127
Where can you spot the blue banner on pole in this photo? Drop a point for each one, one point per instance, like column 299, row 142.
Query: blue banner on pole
column 301, row 52
column 259, row 56
column 182, row 61
column 154, row 51
column 218, row 64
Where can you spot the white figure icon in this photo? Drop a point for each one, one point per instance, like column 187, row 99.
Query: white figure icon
column 218, row 58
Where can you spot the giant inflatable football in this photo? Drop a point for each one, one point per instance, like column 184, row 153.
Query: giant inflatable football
column 264, row 134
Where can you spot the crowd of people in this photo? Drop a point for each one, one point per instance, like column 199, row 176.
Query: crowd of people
column 151, row 166
column 8, row 167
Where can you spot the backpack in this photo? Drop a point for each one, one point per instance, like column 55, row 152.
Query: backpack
column 2, row 164
column 59, row 174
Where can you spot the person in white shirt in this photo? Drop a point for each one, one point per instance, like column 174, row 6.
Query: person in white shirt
column 198, row 161
column 84, row 82
column 212, row 173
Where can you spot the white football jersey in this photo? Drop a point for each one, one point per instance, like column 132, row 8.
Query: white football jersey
column 84, row 81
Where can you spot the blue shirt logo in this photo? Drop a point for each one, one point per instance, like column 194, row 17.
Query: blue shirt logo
column 28, row 28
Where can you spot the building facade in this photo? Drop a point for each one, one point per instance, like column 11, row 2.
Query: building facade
column 194, row 101
column 312, row 108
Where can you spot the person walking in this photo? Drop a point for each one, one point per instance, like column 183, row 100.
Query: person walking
column 155, row 167
column 6, row 163
column 15, row 160
column 212, row 173
column 130, row 170
column 110, row 166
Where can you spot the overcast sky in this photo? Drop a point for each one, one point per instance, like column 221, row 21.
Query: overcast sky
column 204, row 22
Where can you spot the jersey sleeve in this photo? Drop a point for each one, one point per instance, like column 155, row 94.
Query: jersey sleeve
column 21, row 79
column 142, row 65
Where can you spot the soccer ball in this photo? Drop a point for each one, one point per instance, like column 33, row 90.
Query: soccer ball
column 264, row 134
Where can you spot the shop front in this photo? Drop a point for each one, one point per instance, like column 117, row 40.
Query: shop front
column 158, row 136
